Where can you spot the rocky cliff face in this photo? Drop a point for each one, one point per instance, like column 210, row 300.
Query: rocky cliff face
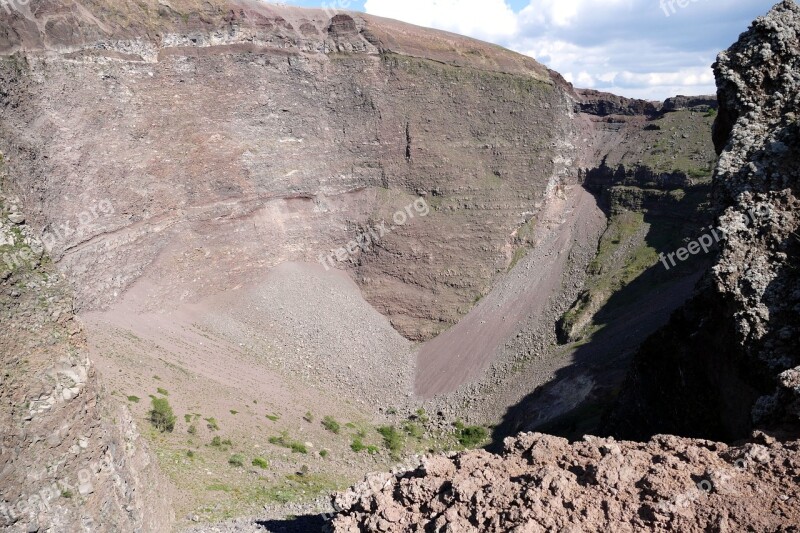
column 188, row 147
column 728, row 361
column 71, row 458
column 242, row 118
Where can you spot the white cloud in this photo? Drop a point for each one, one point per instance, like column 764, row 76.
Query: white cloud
column 625, row 46
column 491, row 20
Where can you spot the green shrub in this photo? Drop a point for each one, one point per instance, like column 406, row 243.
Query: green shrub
column 192, row 430
column 323, row 453
column 422, row 416
column 472, row 436
column 298, row 447
column 190, row 454
column 212, row 423
column 133, row 399
column 161, row 415
column 331, row 424
column 414, row 430
column 236, row 460
column 187, row 418
column 284, row 441
column 274, row 418
column 392, row 438
column 372, row 449
column 308, row 417
column 217, row 442
column 357, row 445
column 234, row 413
column 261, row 463
column 162, row 392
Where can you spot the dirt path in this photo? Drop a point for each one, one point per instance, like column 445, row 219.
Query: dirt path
column 463, row 353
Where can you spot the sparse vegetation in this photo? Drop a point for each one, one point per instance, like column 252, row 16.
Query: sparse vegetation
column 357, row 445
column 162, row 416
column 470, row 436
column 274, row 418
column 323, row 453
column 162, row 392
column 134, row 399
column 308, row 417
column 414, row 430
column 392, row 439
column 190, row 454
column 212, row 424
column 260, row 462
column 224, row 445
column 331, row 425
column 234, row 412
column 284, row 441
column 236, row 460
column 192, row 430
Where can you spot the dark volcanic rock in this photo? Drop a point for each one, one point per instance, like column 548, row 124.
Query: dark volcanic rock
column 689, row 102
column 604, row 104
column 729, row 360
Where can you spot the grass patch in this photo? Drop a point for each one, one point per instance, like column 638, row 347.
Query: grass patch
column 161, row 415
column 212, row 424
column 470, row 436
column 224, row 445
column 414, row 430
column 162, row 392
column 260, row 462
column 134, row 399
column 285, row 442
column 236, row 460
column 519, row 255
column 274, row 418
column 392, row 439
column 331, row 425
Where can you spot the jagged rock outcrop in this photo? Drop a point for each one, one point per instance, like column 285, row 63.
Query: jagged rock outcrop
column 701, row 103
column 604, row 104
column 70, row 457
column 544, row 483
column 729, row 359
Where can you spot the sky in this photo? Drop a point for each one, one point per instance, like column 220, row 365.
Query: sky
column 649, row 49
